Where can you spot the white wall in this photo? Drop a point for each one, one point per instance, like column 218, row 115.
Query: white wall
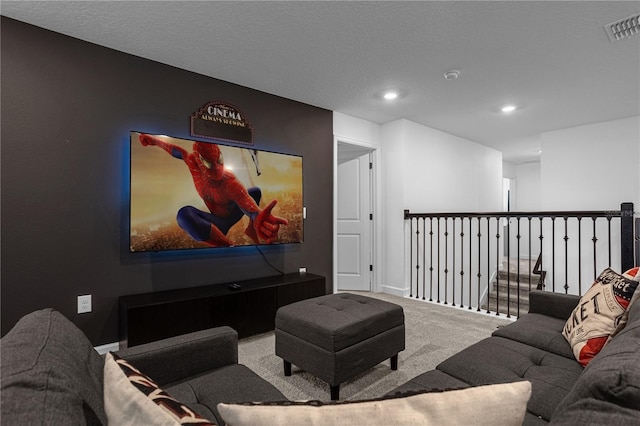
column 424, row 170
column 527, row 192
column 591, row 167
column 508, row 170
column 427, row 170
column 525, row 197
column 348, row 128
column 445, row 173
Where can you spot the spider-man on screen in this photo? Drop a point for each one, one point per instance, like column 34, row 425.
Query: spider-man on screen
column 223, row 194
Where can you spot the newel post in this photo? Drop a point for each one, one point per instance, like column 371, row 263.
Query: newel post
column 626, row 236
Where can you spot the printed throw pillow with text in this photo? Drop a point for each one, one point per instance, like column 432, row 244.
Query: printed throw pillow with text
column 599, row 312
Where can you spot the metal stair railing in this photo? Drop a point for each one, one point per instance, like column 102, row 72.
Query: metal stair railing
column 454, row 257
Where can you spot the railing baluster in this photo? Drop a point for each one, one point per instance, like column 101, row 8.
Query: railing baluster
column 462, row 262
column 518, row 270
column 417, row 256
column 566, row 255
column 424, row 254
column 541, row 284
column 580, row 255
column 488, row 260
column 471, row 260
column 595, row 240
column 609, row 223
column 529, row 271
column 498, row 269
column 446, row 258
column 431, row 264
column 411, row 249
column 479, row 260
column 553, row 254
column 453, row 269
column 508, row 238
column 438, row 261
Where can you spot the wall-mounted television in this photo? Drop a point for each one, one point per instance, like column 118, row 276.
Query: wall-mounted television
column 188, row 194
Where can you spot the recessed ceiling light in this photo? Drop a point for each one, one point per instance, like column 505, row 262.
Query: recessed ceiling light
column 390, row 95
column 508, row 108
column 452, row 75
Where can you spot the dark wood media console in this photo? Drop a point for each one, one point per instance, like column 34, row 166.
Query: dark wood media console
column 249, row 310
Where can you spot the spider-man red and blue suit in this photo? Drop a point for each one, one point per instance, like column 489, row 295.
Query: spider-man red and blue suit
column 224, row 195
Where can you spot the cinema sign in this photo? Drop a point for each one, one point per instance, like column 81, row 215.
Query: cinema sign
column 219, row 120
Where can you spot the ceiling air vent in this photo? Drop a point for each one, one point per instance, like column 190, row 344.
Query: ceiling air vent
column 624, row 28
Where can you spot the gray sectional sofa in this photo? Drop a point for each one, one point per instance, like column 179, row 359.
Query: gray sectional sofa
column 606, row 392
column 52, row 375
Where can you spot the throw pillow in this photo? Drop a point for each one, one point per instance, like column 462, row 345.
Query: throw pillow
column 132, row 398
column 600, row 311
column 635, row 273
column 502, row 404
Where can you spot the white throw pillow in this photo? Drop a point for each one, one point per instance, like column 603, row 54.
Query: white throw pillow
column 133, row 399
column 495, row 405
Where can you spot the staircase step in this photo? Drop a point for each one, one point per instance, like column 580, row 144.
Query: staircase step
column 514, row 276
column 513, row 265
column 512, row 288
column 506, row 287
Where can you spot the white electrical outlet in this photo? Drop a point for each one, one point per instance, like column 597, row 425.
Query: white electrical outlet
column 84, row 304
column 302, row 270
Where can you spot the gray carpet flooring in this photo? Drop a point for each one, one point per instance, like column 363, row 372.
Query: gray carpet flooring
column 433, row 333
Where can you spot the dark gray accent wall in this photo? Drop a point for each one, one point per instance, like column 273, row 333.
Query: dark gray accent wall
column 67, row 108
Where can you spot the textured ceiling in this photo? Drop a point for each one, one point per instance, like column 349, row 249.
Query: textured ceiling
column 553, row 59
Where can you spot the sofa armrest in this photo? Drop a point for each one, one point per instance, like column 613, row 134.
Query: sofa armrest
column 177, row 358
column 555, row 305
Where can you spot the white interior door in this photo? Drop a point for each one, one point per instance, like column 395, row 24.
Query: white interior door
column 354, row 222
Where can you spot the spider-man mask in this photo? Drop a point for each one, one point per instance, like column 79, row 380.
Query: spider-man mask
column 210, row 159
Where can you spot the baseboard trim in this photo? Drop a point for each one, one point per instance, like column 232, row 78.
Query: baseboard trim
column 395, row 291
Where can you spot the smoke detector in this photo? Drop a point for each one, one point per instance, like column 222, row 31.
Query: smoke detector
column 624, row 28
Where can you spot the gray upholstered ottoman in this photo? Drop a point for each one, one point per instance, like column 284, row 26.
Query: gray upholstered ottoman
column 338, row 336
